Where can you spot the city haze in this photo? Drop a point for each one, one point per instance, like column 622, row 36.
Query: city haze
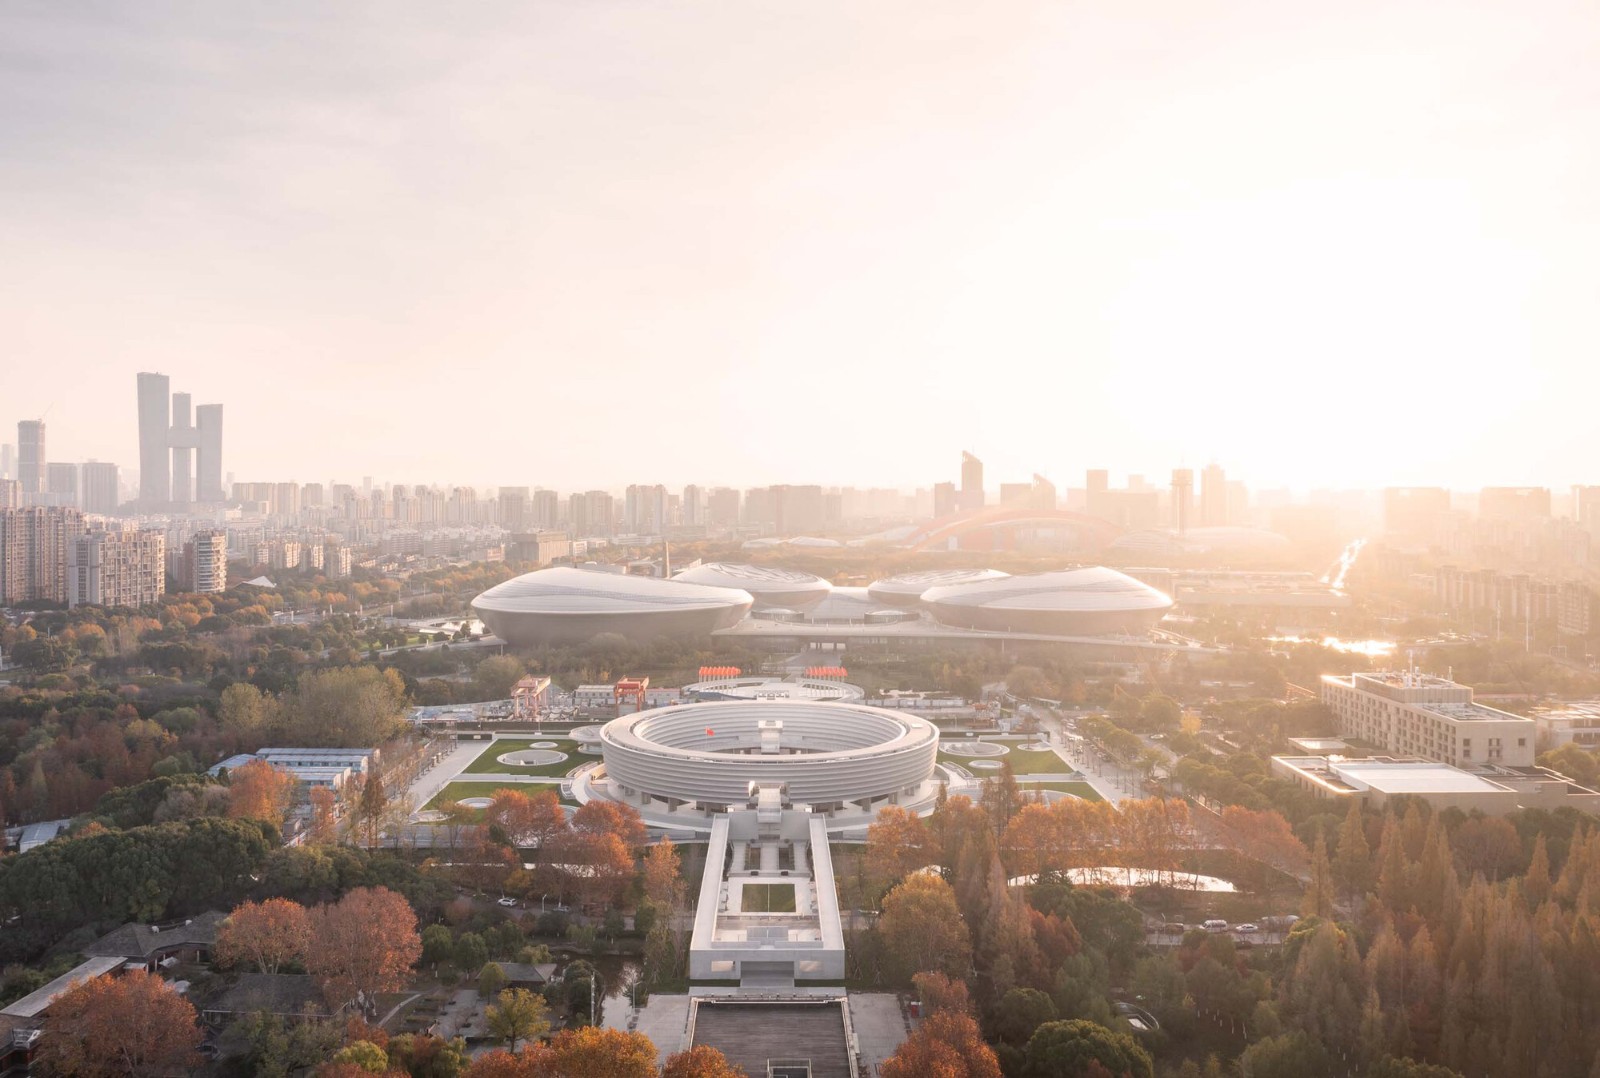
column 582, row 245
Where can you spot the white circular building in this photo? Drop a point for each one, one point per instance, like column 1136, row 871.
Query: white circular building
column 1071, row 602
column 570, row 606
column 906, row 589
column 716, row 755
column 771, row 587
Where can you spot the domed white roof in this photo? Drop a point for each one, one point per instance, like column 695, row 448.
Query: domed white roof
column 769, row 585
column 566, row 605
column 1073, row 602
column 907, row 588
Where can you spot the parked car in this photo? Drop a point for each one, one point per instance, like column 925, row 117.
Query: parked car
column 1215, row 925
column 508, row 902
column 1247, row 927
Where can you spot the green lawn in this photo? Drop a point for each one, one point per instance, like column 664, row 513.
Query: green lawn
column 1023, row 762
column 457, row 791
column 767, row 898
column 488, row 763
column 1076, row 789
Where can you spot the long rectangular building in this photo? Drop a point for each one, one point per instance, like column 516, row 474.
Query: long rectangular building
column 1431, row 717
column 116, row 568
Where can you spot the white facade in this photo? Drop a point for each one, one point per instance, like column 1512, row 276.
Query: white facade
column 1426, row 716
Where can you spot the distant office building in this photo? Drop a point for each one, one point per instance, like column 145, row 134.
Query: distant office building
column 644, row 509
column 311, row 496
column 516, row 508
column 30, row 456
column 1414, row 512
column 1428, row 716
column 204, row 565
column 1044, row 493
column 100, row 494
column 759, row 508
column 1586, row 508
column 971, row 483
column 692, row 506
column 1214, row 497
column 180, row 447
column 945, row 500
column 722, row 507
column 590, row 515
column 61, row 480
column 116, row 568
column 546, row 509
column 33, row 552
column 1524, row 504
column 1016, row 495
column 286, row 499
column 8, row 461
column 1182, row 499
column 10, row 494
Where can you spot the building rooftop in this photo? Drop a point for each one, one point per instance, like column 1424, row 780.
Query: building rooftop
column 34, row 1003
column 1407, row 777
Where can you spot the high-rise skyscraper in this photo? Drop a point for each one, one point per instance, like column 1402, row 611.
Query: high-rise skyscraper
column 30, row 456
column 8, row 461
column 1213, row 497
column 1182, row 499
column 971, row 483
column 61, row 480
column 204, row 565
column 180, row 460
column 33, row 552
column 99, row 492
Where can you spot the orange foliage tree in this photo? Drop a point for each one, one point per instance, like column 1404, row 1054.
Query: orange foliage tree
column 268, row 935
column 662, row 883
column 608, row 817
column 259, row 791
column 602, row 1053
column 129, row 1025
column 363, row 944
column 700, row 1061
column 921, row 928
column 897, row 845
column 947, row 1045
column 324, row 829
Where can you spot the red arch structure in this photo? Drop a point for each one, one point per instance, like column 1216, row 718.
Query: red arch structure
column 1001, row 524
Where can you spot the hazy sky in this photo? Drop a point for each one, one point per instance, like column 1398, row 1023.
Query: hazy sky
column 592, row 243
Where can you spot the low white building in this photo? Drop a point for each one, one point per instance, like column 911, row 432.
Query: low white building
column 1432, row 717
column 1493, row 791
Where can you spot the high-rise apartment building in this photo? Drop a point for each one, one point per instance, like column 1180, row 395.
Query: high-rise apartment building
column 30, row 456
column 692, row 506
column 116, row 568
column 722, row 507
column 1521, row 504
column 945, row 500
column 10, row 494
column 644, row 509
column 971, row 483
column 1586, row 508
column 546, row 510
column 1182, row 499
column 1213, row 497
column 516, row 508
column 336, row 560
column 33, row 552
column 99, row 488
column 204, row 565
column 180, row 447
column 8, row 461
column 61, row 480
column 797, row 510
column 591, row 515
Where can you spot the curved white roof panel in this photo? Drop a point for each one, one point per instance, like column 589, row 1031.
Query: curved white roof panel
column 567, row 605
column 771, row 586
column 1075, row 602
column 906, row 589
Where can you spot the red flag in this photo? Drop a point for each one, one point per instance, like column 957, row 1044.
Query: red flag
column 709, row 731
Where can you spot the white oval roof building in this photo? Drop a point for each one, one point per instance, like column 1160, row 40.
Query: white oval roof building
column 1071, row 602
column 770, row 586
column 906, row 589
column 570, row 606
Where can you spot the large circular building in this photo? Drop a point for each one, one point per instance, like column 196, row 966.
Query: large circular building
column 825, row 755
column 1071, row 602
column 772, row 588
column 570, row 606
column 906, row 589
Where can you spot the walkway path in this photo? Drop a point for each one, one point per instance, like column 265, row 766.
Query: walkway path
column 445, row 771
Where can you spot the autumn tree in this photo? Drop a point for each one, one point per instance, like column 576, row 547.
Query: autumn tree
column 364, row 944
column 700, row 1061
column 594, row 1052
column 518, row 1015
column 349, row 706
column 1352, row 866
column 662, row 883
column 948, row 1044
column 897, row 845
column 936, row 992
column 268, row 935
column 1318, row 900
column 324, row 829
column 247, row 711
column 921, row 929
column 601, row 817
column 259, row 791
column 135, row 1024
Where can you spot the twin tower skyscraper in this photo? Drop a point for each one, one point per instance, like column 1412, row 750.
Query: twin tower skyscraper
column 180, row 448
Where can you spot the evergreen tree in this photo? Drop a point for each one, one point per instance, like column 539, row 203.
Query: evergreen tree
column 1353, row 865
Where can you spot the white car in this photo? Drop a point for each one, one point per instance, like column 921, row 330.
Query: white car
column 1247, row 928
column 506, row 902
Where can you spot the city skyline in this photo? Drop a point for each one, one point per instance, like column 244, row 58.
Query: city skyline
column 467, row 253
